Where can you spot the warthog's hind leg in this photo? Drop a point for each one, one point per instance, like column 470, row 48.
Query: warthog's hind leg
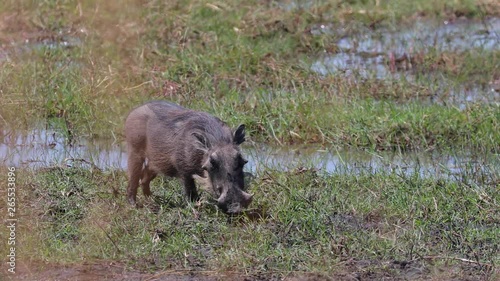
column 134, row 171
column 147, row 176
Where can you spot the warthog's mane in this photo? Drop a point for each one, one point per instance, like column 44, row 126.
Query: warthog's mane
column 181, row 120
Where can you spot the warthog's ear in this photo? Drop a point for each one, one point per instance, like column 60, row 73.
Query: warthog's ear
column 201, row 142
column 239, row 134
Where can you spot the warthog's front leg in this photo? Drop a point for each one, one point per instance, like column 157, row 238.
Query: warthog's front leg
column 190, row 189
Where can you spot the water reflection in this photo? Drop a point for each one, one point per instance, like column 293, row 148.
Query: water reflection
column 368, row 51
column 42, row 148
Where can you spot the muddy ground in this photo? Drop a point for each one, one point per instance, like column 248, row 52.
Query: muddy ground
column 350, row 270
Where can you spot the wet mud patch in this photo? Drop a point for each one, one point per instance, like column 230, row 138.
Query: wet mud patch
column 385, row 270
column 85, row 271
column 348, row 223
column 111, row 271
column 413, row 269
column 347, row 270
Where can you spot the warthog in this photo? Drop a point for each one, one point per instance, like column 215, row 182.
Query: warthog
column 165, row 138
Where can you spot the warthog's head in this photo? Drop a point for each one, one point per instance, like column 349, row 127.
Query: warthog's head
column 223, row 173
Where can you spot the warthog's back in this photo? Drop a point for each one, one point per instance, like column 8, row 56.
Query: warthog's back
column 162, row 133
column 180, row 121
column 168, row 120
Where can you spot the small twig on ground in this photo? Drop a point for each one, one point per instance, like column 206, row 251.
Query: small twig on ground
column 138, row 86
column 109, row 237
column 457, row 259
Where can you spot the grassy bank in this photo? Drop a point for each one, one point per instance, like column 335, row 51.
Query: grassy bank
column 82, row 67
column 370, row 224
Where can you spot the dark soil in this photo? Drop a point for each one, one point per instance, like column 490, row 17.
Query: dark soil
column 348, row 270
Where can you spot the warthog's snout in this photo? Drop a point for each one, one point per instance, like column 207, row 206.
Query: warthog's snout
column 229, row 207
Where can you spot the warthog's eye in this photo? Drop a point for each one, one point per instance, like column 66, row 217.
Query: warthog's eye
column 211, row 164
column 214, row 163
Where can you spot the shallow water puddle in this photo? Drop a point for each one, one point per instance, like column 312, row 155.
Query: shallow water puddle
column 64, row 39
column 386, row 54
column 42, row 148
column 459, row 165
column 367, row 51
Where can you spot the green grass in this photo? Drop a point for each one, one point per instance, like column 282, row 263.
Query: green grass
column 312, row 222
column 79, row 67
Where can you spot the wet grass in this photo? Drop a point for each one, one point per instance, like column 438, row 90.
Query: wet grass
column 378, row 224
